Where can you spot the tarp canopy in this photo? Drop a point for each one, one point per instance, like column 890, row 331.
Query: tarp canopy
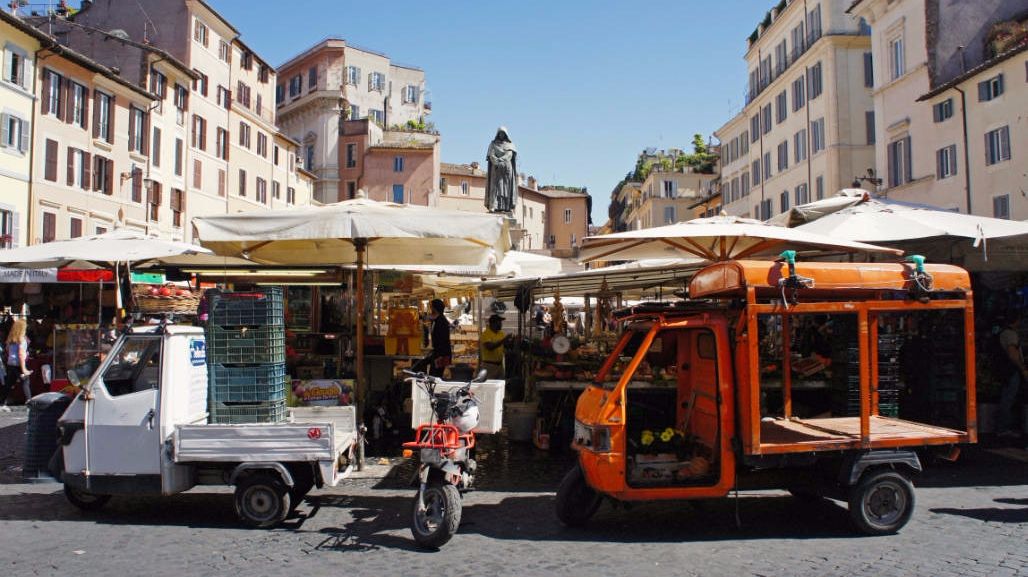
column 631, row 279
column 716, row 238
column 118, row 246
column 520, row 263
column 396, row 234
column 812, row 211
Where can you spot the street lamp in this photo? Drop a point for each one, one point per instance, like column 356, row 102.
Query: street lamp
column 870, row 179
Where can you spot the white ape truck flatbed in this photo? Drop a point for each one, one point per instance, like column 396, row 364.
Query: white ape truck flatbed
column 140, row 427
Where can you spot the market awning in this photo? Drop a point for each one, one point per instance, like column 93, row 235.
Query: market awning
column 630, row 279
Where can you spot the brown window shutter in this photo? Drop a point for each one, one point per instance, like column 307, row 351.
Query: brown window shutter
column 69, row 107
column 71, row 166
column 110, row 120
column 46, row 92
column 85, row 108
column 221, row 183
column 87, row 175
column 95, row 183
column 50, row 172
column 132, row 126
column 96, row 114
column 145, row 141
column 197, row 173
column 137, row 185
column 109, row 178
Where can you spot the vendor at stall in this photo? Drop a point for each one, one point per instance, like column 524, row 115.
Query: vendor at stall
column 492, row 347
column 442, row 351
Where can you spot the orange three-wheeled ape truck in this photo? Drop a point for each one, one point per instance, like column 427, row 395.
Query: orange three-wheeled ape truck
column 817, row 378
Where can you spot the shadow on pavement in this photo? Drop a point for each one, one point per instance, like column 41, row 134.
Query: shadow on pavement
column 993, row 514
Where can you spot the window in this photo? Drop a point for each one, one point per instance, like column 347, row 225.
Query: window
column 942, row 111
column 755, row 170
column 814, row 24
column 135, row 368
column 155, row 151
column 765, row 114
column 276, row 189
column 799, row 97
column 990, row 89
column 817, row 135
column 49, row 227
column 158, row 85
column 280, row 94
column 264, row 74
column 410, row 94
column 246, row 59
column 242, row 182
column 869, row 73
column 295, row 85
column 783, row 201
column 290, row 195
column 765, row 209
column 199, row 132
column 353, row 75
column 262, row 190
column 224, row 98
column 262, row 144
column 137, row 185
column 668, row 189
column 869, row 121
column 799, row 41
column 258, row 106
column 15, row 133
column 669, row 215
column 200, row 32
column 181, row 104
column 799, row 145
column 201, row 82
column 274, row 155
column 308, row 160
column 1001, row 206
column 78, row 104
column 897, row 59
column 398, row 164
column 198, row 175
column 767, row 165
column 153, row 202
column 819, row 187
column 814, row 84
column 997, row 145
column 781, row 58
column 898, row 154
column 567, row 216
column 781, row 107
column 78, row 168
column 221, row 143
column 378, row 116
column 312, row 77
column 376, row 82
column 744, row 184
column 178, row 206
column 355, row 112
column 7, row 229
column 14, row 67
column 178, row 156
column 244, row 135
column 243, row 93
column 398, row 193
column 224, row 52
column 465, row 190
column 783, row 155
column 802, row 194
column 733, row 190
column 103, row 175
column 50, row 162
column 53, row 94
column 351, row 155
column 102, row 116
column 754, row 127
column 138, row 127
column 946, row 162
column 744, row 142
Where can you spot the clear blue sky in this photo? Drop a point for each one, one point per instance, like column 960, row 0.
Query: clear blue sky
column 582, row 86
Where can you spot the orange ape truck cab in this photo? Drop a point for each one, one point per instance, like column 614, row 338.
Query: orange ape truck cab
column 818, row 378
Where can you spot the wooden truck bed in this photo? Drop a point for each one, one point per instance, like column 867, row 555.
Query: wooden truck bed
column 836, row 433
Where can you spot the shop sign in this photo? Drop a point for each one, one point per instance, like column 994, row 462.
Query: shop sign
column 25, row 275
column 323, row 392
column 147, row 277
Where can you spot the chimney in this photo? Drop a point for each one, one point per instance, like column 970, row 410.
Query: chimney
column 532, row 182
column 474, row 165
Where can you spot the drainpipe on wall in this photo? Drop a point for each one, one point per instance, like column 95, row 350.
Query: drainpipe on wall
column 967, row 153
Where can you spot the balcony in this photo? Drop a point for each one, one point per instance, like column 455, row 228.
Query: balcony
column 768, row 75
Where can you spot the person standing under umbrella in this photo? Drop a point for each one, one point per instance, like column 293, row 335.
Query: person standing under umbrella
column 16, row 352
column 442, row 351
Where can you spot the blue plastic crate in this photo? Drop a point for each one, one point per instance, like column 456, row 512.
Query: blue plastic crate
column 246, row 345
column 231, row 413
column 254, row 383
column 259, row 308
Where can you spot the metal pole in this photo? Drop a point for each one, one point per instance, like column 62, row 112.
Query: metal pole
column 361, row 245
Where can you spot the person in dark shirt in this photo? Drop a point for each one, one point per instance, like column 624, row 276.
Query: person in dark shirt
column 442, row 352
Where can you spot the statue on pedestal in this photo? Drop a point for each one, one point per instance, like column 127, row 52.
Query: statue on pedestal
column 502, row 182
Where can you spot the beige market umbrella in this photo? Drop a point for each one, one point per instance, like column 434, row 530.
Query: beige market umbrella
column 716, row 238
column 118, row 246
column 358, row 232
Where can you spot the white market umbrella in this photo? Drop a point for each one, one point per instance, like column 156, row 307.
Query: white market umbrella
column 811, row 211
column 118, row 246
column 356, row 232
column 518, row 263
column 716, row 238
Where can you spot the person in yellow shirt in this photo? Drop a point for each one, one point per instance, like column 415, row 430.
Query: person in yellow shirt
column 492, row 344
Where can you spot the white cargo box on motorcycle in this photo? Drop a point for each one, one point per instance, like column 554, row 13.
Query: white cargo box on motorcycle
column 489, row 395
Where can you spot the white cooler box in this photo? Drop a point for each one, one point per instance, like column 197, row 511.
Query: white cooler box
column 490, row 404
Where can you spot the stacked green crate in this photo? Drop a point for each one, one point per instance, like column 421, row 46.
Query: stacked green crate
column 246, row 356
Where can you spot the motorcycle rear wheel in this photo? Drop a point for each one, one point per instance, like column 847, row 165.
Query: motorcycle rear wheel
column 434, row 525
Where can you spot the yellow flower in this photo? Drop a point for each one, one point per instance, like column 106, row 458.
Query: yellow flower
column 646, row 438
column 666, row 436
column 669, row 431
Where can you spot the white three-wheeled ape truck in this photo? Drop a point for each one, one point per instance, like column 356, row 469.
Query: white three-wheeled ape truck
column 140, row 426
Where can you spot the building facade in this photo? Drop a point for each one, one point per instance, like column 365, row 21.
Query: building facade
column 808, row 124
column 20, row 44
column 323, row 89
column 949, row 100
column 665, row 197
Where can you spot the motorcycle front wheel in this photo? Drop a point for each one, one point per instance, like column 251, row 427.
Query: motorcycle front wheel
column 435, row 523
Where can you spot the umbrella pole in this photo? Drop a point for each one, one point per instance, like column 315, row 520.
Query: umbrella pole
column 361, row 245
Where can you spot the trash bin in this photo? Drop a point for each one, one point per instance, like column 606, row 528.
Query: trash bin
column 41, row 437
column 520, row 420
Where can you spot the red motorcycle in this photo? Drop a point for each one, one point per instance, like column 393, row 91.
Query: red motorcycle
column 446, row 467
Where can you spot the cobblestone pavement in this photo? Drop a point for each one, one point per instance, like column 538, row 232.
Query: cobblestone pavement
column 971, row 519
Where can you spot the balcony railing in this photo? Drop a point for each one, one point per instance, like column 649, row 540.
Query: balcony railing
column 768, row 76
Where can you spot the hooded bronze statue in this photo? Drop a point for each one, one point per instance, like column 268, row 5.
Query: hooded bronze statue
column 501, row 184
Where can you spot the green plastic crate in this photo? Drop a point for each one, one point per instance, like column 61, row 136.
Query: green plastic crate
column 231, row 413
column 246, row 345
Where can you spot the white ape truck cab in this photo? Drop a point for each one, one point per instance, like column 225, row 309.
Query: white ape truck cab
column 140, row 427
